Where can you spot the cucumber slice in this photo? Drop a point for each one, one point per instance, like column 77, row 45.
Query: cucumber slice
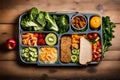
column 33, row 59
column 26, row 55
column 23, row 51
column 75, row 51
column 26, row 50
column 30, row 48
column 32, row 54
column 74, row 58
column 22, row 55
column 28, row 59
column 35, row 56
column 34, row 49
column 35, row 53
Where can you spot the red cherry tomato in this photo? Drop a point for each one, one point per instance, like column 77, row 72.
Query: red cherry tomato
column 90, row 37
column 95, row 35
column 41, row 42
column 41, row 36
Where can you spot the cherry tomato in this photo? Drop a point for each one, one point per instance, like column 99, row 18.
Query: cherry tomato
column 90, row 37
column 41, row 36
column 41, row 42
column 95, row 35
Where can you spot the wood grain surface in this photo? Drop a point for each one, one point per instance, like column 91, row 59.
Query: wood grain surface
column 10, row 64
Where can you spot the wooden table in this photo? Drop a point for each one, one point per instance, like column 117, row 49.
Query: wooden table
column 10, row 64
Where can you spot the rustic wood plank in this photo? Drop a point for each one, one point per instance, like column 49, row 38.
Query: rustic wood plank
column 106, row 69
column 8, row 31
column 116, row 40
column 10, row 10
column 112, row 56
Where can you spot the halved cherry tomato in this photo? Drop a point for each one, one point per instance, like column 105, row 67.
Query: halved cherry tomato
column 41, row 36
column 41, row 42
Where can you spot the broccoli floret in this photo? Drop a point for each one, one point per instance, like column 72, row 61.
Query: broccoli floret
column 41, row 19
column 30, row 25
column 33, row 13
column 63, row 23
column 26, row 22
column 53, row 25
column 31, row 21
column 64, row 20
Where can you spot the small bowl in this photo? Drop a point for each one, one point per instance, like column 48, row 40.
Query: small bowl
column 79, row 22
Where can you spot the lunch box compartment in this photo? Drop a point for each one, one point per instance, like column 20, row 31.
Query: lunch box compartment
column 48, row 63
column 22, row 58
column 40, row 37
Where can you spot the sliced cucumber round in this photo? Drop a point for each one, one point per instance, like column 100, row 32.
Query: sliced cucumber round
column 75, row 51
column 74, row 58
